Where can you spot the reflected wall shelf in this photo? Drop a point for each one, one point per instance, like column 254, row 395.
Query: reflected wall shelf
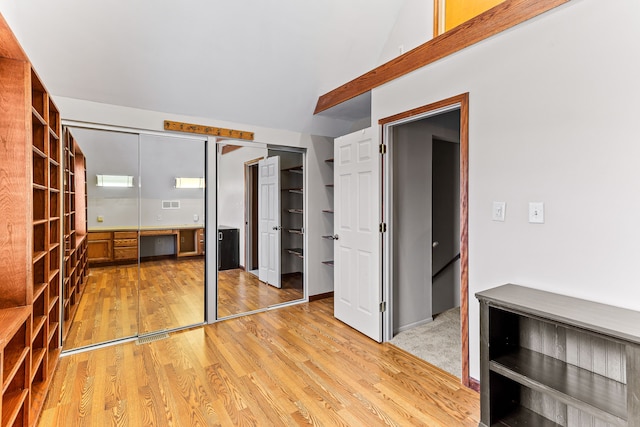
column 292, row 221
column 329, row 187
column 295, row 251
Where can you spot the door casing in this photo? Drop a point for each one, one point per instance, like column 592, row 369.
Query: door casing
column 460, row 102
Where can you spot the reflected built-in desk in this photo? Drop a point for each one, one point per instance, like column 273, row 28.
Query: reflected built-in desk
column 114, row 245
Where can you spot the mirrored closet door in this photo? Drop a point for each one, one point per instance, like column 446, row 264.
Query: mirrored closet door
column 260, row 226
column 145, row 228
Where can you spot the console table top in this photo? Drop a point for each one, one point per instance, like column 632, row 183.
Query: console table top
column 601, row 318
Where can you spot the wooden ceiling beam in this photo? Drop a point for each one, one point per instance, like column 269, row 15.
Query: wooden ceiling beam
column 493, row 21
column 208, row 130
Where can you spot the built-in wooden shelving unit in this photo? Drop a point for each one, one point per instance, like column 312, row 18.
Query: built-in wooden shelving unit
column 46, row 233
column 31, row 254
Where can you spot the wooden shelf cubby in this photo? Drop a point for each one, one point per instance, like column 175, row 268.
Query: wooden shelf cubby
column 31, row 261
column 553, row 360
column 75, row 270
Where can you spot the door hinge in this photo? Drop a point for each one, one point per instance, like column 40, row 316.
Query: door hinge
column 383, row 149
column 383, row 306
column 383, row 227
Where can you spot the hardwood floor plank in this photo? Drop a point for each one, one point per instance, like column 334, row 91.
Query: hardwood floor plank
column 297, row 365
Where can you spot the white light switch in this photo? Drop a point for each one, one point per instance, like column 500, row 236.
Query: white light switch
column 536, row 212
column 497, row 214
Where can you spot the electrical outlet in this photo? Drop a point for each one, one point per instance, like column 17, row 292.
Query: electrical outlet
column 100, row 218
column 536, row 212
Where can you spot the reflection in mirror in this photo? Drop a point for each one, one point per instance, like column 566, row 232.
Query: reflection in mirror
column 145, row 234
column 172, row 212
column 260, row 227
column 108, row 308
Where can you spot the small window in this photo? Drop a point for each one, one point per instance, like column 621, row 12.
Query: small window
column 448, row 14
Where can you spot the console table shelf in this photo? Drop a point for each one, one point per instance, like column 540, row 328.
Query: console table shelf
column 549, row 359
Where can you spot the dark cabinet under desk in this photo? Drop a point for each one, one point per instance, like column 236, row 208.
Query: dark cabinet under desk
column 552, row 360
column 228, row 248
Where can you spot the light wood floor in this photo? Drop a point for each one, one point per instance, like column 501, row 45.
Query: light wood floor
column 171, row 295
column 241, row 292
column 292, row 366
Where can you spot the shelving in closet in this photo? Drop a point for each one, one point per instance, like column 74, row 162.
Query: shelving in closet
column 292, row 200
column 329, row 187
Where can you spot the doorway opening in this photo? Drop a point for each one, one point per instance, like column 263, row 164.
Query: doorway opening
column 251, row 216
column 425, row 261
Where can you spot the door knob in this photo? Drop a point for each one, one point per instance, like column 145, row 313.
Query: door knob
column 276, row 228
column 335, row 237
column 434, row 244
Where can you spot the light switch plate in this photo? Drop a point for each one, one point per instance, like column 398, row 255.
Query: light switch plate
column 498, row 211
column 536, row 212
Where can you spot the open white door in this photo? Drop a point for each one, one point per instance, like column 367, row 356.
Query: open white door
column 269, row 220
column 357, row 288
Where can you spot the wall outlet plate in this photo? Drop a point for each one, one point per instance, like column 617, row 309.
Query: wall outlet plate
column 536, row 212
column 498, row 211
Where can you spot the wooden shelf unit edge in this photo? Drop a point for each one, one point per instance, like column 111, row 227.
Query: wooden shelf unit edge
column 14, row 402
column 12, row 319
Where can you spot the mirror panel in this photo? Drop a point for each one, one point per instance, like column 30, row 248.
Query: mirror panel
column 172, row 226
column 260, row 227
column 145, row 233
column 108, row 309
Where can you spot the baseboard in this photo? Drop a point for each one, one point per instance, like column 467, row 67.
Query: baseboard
column 320, row 296
column 413, row 325
column 474, row 384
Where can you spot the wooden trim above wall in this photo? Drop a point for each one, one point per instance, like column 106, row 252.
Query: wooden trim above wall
column 493, row 21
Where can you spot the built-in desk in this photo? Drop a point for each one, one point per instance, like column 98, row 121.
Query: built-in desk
column 122, row 244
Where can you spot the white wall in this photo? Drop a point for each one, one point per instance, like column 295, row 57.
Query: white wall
column 113, row 115
column 553, row 113
column 413, row 27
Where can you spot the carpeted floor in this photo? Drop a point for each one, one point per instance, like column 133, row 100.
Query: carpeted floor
column 437, row 342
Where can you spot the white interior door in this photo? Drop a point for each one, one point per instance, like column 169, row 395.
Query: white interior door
column 357, row 288
column 269, row 220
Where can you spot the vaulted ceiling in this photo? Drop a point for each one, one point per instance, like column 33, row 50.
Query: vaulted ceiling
column 259, row 62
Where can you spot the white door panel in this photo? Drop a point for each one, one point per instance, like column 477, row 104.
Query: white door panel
column 269, row 221
column 357, row 289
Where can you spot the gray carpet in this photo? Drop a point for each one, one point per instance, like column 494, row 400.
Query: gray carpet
column 437, row 342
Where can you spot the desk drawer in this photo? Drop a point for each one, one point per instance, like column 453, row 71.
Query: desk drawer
column 125, row 234
column 99, row 235
column 125, row 243
column 125, row 253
